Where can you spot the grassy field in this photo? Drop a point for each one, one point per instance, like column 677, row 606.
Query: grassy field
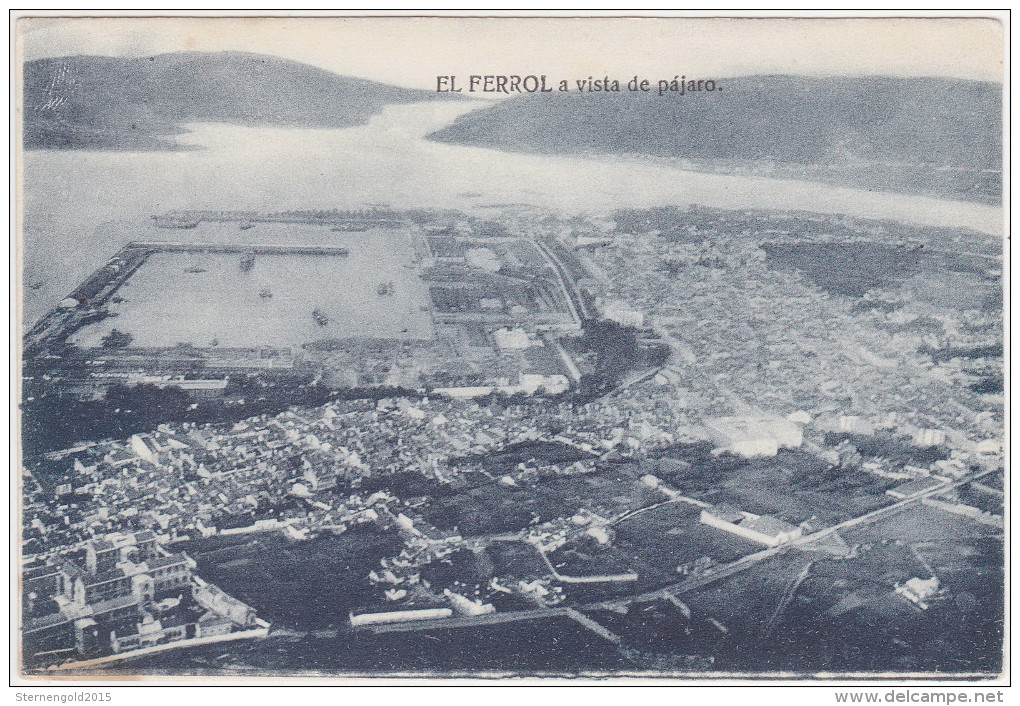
column 495, row 508
column 846, row 617
column 306, row 585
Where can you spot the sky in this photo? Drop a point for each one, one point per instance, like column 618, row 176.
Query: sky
column 411, row 52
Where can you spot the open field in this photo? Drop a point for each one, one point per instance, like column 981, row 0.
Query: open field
column 495, row 508
column 846, row 611
column 660, row 540
column 308, row 585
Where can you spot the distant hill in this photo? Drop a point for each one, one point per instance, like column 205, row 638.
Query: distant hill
column 98, row 102
column 919, row 121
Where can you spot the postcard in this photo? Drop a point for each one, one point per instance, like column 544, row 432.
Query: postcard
column 504, row 347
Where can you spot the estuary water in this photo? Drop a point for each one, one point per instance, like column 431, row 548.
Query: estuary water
column 80, row 207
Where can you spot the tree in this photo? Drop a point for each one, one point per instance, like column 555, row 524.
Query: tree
column 117, row 339
column 615, row 347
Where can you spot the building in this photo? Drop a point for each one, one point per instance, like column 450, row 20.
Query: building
column 914, row 488
column 467, row 607
column 762, row 529
column 170, row 572
column 927, row 438
column 212, row 623
column 623, row 314
column 531, row 383
column 201, row 388
column 919, row 591
column 73, row 599
column 142, row 449
column 512, row 339
column 399, row 616
column 988, row 449
column 214, row 599
column 119, row 565
column 148, row 632
column 483, row 258
column 855, row 424
column 103, row 554
column 755, row 436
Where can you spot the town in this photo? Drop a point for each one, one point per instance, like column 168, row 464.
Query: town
column 671, row 428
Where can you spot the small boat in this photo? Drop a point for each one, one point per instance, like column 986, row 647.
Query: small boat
column 245, row 225
column 196, row 270
column 320, row 318
column 248, row 261
column 266, row 294
column 36, row 285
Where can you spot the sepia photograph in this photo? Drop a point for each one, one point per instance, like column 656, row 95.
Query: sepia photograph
column 435, row 347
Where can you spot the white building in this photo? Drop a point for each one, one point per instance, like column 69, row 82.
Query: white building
column 755, row 436
column 512, row 339
column 919, row 591
column 552, row 384
column 399, row 616
column 762, row 529
column 853, row 424
column 927, row 438
column 623, row 314
column 466, row 606
column 142, row 449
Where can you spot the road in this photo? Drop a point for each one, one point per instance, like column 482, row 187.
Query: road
column 784, row 601
column 754, row 559
column 689, row 584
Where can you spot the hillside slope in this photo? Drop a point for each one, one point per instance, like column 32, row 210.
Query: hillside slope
column 800, row 120
column 97, row 102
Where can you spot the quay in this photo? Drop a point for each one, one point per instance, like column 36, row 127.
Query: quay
column 354, row 220
column 153, row 247
column 87, row 303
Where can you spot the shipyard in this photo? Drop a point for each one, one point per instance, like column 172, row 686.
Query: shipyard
column 451, row 306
